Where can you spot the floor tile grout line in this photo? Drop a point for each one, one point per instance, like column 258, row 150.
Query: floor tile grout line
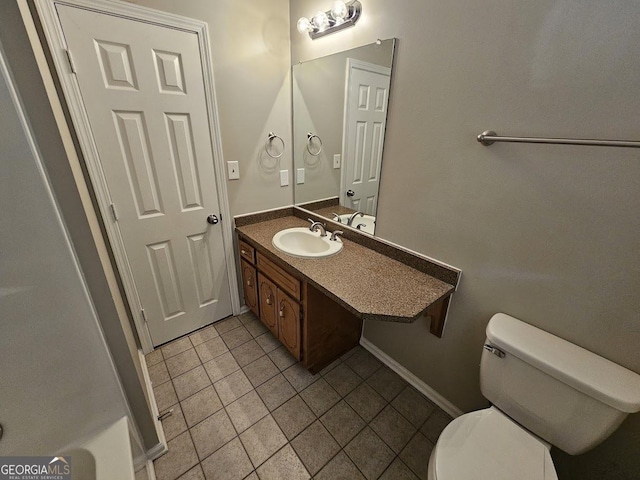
column 319, row 419
column 255, row 468
column 298, row 393
column 403, row 449
column 368, row 424
column 186, row 371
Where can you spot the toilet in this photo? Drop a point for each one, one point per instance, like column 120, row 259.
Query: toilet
column 544, row 391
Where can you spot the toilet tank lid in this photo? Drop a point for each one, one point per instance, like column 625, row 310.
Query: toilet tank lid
column 581, row 369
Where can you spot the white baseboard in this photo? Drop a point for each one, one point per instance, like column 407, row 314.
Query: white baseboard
column 161, row 447
column 244, row 309
column 411, row 379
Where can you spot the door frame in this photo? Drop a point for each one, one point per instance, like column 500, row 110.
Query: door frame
column 53, row 33
column 355, row 64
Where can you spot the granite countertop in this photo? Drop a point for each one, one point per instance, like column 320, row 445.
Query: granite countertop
column 369, row 284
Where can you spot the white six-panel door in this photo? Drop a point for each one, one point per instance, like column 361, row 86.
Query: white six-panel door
column 367, row 95
column 143, row 91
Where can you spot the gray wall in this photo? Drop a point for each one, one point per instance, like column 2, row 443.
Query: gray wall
column 58, row 383
column 250, row 52
column 548, row 234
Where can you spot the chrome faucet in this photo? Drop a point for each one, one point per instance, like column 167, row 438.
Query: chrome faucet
column 334, row 235
column 318, row 225
column 353, row 216
column 336, row 217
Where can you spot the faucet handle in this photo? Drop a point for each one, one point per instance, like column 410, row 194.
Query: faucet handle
column 336, row 217
column 334, row 235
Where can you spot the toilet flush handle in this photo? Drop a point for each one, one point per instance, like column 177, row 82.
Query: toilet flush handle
column 496, row 351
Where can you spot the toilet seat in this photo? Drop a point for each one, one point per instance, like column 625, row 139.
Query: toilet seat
column 488, row 445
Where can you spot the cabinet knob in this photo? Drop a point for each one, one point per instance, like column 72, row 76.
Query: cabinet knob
column 243, row 252
column 268, row 299
column 249, row 283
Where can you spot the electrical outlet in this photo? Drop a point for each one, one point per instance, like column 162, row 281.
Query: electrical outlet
column 284, row 178
column 337, row 160
column 300, row 176
column 234, row 170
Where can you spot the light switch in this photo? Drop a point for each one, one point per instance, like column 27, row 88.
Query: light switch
column 284, row 178
column 300, row 176
column 234, row 170
column 336, row 160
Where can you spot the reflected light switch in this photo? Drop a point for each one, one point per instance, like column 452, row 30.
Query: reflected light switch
column 300, row 176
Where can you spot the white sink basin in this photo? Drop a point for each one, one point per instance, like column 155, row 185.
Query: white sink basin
column 368, row 222
column 302, row 242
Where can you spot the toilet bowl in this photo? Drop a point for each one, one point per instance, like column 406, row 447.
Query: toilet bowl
column 544, row 391
column 487, row 444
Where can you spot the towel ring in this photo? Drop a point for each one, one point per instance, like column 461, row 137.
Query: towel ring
column 309, row 137
column 270, row 138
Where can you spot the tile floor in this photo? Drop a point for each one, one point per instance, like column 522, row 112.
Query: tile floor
column 243, row 408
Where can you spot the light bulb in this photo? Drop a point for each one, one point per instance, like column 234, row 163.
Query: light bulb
column 339, row 12
column 321, row 21
column 304, row 25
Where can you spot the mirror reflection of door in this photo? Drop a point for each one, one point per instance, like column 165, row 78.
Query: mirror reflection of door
column 342, row 98
column 365, row 115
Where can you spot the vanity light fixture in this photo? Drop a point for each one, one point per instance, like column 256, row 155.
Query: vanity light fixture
column 341, row 15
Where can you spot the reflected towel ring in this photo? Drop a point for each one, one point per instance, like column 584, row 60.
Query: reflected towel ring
column 310, row 136
column 270, row 138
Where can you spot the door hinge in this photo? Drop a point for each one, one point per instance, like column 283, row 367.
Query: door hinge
column 114, row 212
column 146, row 324
column 72, row 65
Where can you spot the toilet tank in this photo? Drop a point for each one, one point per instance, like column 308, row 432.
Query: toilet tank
column 564, row 394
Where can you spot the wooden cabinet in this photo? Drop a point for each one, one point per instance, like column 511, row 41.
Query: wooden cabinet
column 267, row 293
column 273, row 295
column 314, row 328
column 250, row 286
column 247, row 252
column 289, row 323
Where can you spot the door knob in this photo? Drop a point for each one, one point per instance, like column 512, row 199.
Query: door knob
column 212, row 219
column 350, row 193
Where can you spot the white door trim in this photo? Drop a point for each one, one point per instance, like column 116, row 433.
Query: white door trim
column 80, row 120
column 353, row 64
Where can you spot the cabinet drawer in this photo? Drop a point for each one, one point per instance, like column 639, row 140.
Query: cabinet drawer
column 283, row 279
column 247, row 252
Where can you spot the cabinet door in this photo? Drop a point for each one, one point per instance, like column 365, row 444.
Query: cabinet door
column 268, row 303
column 289, row 323
column 250, row 286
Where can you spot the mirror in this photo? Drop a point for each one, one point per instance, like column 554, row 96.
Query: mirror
column 340, row 105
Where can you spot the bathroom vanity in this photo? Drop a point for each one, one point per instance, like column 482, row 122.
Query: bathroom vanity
column 316, row 307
